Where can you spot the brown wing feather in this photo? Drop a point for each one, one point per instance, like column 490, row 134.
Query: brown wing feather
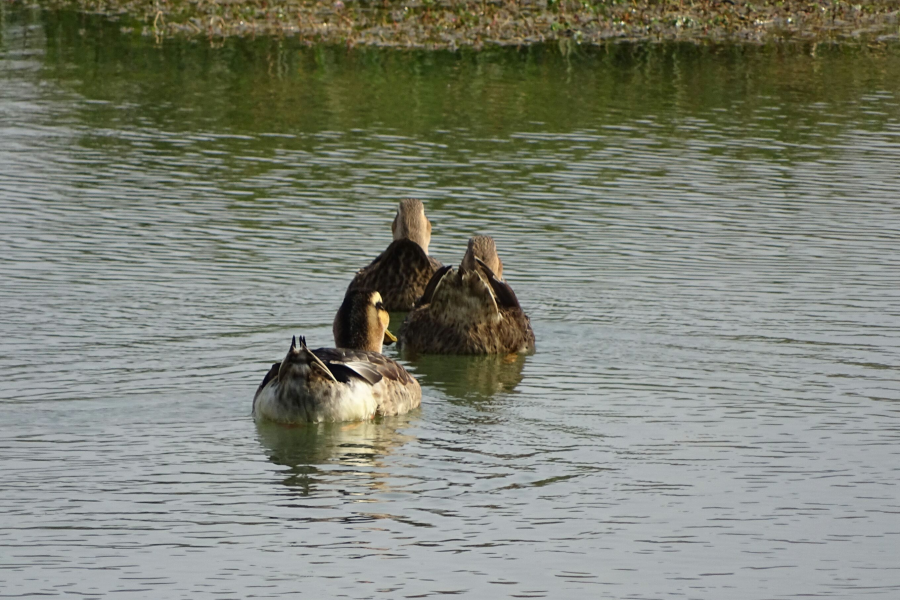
column 344, row 372
column 428, row 294
column 399, row 274
column 364, row 361
column 506, row 297
column 470, row 311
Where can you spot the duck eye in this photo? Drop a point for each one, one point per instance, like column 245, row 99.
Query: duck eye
column 380, row 306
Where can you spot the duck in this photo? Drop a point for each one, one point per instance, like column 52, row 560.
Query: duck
column 469, row 310
column 402, row 271
column 352, row 382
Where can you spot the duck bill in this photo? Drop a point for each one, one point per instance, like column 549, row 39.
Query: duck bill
column 389, row 338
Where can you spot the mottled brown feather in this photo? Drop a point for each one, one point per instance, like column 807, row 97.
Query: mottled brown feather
column 427, row 295
column 506, row 297
column 399, row 392
column 386, row 367
column 402, row 392
column 400, row 274
column 465, row 317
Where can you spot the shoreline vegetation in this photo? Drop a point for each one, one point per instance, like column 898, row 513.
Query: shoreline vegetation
column 452, row 24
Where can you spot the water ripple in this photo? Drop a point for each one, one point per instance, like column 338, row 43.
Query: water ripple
column 712, row 410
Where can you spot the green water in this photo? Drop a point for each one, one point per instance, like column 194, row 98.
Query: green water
column 281, row 86
column 705, row 238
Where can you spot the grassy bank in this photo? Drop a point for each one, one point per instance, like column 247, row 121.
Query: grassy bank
column 456, row 23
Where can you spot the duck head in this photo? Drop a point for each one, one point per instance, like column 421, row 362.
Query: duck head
column 483, row 248
column 362, row 321
column 412, row 223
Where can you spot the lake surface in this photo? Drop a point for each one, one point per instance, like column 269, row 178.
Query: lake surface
column 707, row 240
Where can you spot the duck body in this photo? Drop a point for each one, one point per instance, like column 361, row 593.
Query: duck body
column 468, row 310
column 400, row 274
column 334, row 384
column 403, row 270
column 352, row 382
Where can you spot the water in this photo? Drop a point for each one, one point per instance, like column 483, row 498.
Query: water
column 706, row 240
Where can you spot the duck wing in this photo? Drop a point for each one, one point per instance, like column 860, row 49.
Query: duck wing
column 346, row 372
column 506, row 297
column 371, row 367
column 428, row 294
column 463, row 296
column 272, row 374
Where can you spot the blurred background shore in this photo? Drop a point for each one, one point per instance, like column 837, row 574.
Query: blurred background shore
column 458, row 23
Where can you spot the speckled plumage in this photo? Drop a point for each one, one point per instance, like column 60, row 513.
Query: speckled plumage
column 350, row 383
column 467, row 311
column 402, row 271
column 332, row 384
column 400, row 274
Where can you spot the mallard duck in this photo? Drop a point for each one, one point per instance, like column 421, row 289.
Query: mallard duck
column 353, row 382
column 403, row 270
column 469, row 310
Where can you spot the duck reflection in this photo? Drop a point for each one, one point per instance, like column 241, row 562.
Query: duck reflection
column 471, row 378
column 319, row 454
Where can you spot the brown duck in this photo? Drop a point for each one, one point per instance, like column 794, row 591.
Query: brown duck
column 402, row 271
column 352, row 382
column 469, row 310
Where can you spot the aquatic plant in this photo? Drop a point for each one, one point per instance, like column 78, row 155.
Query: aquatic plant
column 457, row 23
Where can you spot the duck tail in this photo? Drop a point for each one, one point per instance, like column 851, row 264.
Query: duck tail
column 301, row 354
column 315, row 362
